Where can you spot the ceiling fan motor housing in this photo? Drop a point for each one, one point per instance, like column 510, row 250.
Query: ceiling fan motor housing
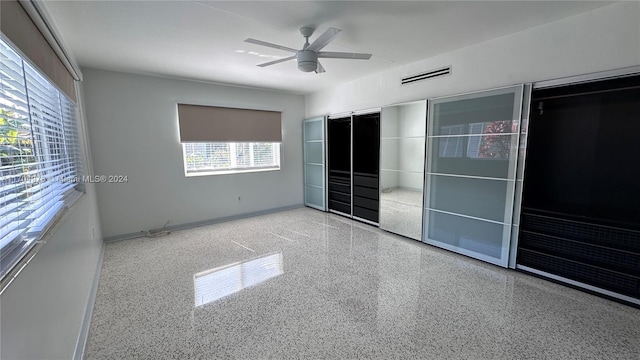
column 307, row 57
column 307, row 60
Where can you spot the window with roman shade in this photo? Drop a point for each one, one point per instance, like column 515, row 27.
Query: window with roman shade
column 222, row 140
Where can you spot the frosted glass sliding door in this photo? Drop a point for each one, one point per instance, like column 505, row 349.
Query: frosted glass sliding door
column 472, row 150
column 314, row 163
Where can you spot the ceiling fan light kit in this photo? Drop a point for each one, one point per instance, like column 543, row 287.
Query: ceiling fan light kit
column 307, row 57
column 307, row 60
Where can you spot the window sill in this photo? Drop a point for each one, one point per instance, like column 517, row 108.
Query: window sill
column 228, row 172
column 71, row 199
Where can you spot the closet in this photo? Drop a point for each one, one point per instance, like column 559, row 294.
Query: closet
column 366, row 166
column 540, row 177
column 339, row 164
column 353, row 153
column 580, row 219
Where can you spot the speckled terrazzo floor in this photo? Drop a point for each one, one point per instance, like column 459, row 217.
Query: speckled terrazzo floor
column 329, row 288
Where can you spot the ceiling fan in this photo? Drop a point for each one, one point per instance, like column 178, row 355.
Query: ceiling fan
column 308, row 56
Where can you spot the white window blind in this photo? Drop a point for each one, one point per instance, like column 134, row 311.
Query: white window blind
column 224, row 158
column 39, row 152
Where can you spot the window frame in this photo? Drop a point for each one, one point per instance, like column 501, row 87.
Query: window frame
column 233, row 167
column 54, row 136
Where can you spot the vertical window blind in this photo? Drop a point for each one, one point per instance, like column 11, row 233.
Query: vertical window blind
column 40, row 155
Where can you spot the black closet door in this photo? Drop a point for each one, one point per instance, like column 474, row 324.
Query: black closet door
column 580, row 217
column 339, row 164
column 366, row 166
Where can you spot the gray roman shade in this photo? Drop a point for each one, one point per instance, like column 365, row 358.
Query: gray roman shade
column 221, row 124
column 18, row 27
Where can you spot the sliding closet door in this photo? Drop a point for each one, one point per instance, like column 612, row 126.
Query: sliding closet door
column 472, row 143
column 402, row 131
column 366, row 166
column 314, row 163
column 339, row 156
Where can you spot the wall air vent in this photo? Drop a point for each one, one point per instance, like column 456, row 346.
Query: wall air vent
column 427, row 75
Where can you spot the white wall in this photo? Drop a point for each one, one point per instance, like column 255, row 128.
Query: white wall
column 133, row 127
column 42, row 310
column 603, row 39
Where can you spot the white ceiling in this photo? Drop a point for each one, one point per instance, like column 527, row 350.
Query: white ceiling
column 202, row 40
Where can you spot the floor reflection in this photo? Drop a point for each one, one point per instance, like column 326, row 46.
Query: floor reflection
column 217, row 283
column 401, row 212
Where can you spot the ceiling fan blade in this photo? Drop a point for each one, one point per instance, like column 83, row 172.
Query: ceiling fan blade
column 324, row 39
column 320, row 68
column 275, row 46
column 343, row 55
column 277, row 61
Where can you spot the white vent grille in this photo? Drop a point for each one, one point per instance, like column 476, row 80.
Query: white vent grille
column 427, row 75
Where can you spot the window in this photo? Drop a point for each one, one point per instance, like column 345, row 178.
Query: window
column 227, row 157
column 451, row 146
column 39, row 155
column 484, row 140
column 221, row 140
